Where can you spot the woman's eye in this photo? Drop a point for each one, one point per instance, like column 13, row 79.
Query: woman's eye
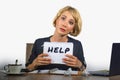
column 71, row 23
column 63, row 18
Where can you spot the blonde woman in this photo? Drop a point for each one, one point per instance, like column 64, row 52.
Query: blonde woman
column 66, row 22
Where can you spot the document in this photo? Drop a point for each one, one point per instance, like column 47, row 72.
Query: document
column 57, row 50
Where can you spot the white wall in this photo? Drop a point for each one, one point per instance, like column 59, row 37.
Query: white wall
column 23, row 21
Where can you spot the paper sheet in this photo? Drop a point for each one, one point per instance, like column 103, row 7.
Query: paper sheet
column 57, row 50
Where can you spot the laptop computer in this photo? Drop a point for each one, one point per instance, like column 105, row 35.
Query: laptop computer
column 114, row 63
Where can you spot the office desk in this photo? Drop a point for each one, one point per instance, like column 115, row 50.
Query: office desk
column 31, row 76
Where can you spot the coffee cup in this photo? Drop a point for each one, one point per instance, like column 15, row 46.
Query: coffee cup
column 13, row 68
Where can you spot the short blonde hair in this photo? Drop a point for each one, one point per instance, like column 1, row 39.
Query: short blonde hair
column 76, row 16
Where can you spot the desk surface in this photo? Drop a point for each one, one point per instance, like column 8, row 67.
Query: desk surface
column 31, row 76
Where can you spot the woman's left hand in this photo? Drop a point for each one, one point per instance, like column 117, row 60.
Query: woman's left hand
column 72, row 61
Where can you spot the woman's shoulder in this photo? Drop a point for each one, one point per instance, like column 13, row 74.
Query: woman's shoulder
column 43, row 39
column 70, row 39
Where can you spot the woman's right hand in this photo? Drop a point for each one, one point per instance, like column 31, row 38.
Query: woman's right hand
column 42, row 59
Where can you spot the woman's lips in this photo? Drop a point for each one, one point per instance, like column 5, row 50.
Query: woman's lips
column 63, row 30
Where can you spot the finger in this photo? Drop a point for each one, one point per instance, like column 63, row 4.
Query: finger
column 70, row 64
column 69, row 59
column 43, row 59
column 44, row 62
column 43, row 55
column 70, row 56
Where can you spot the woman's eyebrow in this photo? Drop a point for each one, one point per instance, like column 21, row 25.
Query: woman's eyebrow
column 63, row 15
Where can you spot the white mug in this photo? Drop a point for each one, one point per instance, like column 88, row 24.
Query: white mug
column 13, row 68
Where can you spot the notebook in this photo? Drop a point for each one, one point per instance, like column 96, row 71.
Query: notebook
column 114, row 63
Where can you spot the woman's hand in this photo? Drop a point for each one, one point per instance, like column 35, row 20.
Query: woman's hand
column 72, row 61
column 42, row 59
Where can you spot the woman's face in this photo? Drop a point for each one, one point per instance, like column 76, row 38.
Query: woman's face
column 65, row 23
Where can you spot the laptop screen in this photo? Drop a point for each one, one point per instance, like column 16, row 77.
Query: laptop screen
column 115, row 60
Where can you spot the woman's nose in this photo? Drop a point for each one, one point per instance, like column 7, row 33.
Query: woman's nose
column 65, row 23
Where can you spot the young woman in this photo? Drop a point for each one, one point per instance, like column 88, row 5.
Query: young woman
column 67, row 22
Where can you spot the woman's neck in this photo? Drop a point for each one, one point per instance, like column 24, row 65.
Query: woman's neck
column 59, row 38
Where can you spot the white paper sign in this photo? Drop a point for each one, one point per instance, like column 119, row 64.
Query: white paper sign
column 57, row 50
